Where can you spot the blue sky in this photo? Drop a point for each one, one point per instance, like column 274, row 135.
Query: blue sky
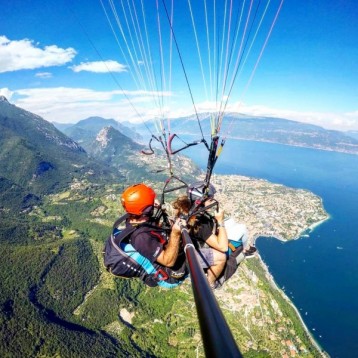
column 52, row 56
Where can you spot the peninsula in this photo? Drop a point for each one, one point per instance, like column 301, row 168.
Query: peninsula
column 268, row 209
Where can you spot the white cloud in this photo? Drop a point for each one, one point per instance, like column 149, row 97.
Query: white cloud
column 69, row 105
column 24, row 55
column 6, row 92
column 100, row 67
column 352, row 114
column 44, row 74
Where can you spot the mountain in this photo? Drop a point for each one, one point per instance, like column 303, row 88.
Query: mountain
column 87, row 129
column 124, row 155
column 62, row 126
column 289, row 132
column 37, row 156
column 36, row 160
column 353, row 134
column 117, row 146
column 110, row 146
column 110, row 143
column 266, row 129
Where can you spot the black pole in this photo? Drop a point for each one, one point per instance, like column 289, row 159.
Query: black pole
column 217, row 337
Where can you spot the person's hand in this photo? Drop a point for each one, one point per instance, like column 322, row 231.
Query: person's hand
column 178, row 223
column 157, row 203
column 219, row 215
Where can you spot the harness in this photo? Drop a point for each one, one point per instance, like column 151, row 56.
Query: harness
column 121, row 258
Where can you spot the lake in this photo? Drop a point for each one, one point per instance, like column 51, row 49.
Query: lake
column 319, row 273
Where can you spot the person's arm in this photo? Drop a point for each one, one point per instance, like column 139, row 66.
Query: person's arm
column 170, row 253
column 220, row 241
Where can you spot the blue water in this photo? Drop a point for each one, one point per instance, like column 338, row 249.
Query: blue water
column 318, row 273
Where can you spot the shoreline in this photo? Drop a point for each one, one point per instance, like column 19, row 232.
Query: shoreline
column 310, row 229
column 324, row 149
column 302, row 222
column 272, row 281
column 318, row 223
column 298, row 145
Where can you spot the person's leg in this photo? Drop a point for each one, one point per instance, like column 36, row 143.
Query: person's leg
column 213, row 261
column 218, row 266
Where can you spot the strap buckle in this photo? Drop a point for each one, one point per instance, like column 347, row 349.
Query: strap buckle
column 161, row 275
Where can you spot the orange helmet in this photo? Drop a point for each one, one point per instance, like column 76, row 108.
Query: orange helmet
column 137, row 198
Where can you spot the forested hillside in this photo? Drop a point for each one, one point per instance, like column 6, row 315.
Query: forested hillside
column 37, row 156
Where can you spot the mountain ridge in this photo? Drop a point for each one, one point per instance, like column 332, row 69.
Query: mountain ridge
column 265, row 129
column 237, row 126
column 92, row 125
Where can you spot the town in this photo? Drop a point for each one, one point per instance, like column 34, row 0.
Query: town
column 268, row 209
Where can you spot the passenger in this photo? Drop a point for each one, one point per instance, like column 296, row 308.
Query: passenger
column 236, row 230
column 208, row 233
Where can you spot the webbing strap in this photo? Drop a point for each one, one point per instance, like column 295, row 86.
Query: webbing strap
column 117, row 239
column 140, row 259
column 212, row 159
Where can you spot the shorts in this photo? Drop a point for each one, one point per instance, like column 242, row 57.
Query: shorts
column 206, row 257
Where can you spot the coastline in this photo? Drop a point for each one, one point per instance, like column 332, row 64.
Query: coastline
column 272, row 281
column 287, row 299
column 311, row 228
column 298, row 145
column 318, row 223
column 276, row 211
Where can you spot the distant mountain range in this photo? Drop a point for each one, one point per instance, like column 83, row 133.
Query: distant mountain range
column 38, row 159
column 117, row 146
column 353, row 134
column 266, row 129
column 88, row 128
column 234, row 125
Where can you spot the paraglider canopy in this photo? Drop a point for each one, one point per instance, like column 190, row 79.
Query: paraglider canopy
column 189, row 57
